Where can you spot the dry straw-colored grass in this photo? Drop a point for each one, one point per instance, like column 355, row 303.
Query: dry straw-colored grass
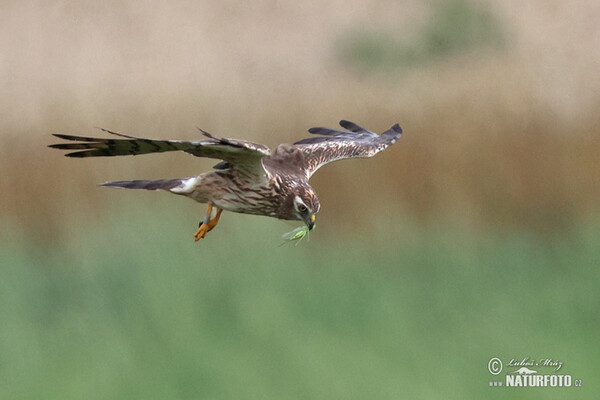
column 496, row 137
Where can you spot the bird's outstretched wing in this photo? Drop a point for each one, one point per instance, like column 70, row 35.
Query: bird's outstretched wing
column 239, row 153
column 332, row 145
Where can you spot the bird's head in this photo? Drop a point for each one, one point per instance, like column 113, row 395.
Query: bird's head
column 302, row 204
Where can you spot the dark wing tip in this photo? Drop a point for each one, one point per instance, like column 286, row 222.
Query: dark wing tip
column 392, row 134
column 396, row 128
column 77, row 154
column 352, row 127
column 208, row 135
column 71, row 137
column 319, row 130
column 90, row 153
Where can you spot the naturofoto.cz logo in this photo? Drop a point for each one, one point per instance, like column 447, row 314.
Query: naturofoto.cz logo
column 528, row 372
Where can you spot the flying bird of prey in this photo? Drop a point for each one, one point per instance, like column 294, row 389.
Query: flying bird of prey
column 250, row 178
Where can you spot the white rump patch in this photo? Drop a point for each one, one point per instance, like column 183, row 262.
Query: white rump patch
column 186, row 186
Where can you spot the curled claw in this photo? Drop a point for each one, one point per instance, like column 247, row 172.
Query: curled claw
column 207, row 224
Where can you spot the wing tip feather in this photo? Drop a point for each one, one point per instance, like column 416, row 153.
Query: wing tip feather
column 76, row 154
column 320, row 130
column 393, row 134
column 115, row 133
column 397, row 128
column 208, row 135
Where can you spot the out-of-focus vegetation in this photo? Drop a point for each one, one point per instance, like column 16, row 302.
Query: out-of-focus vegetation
column 474, row 236
column 456, row 27
column 134, row 308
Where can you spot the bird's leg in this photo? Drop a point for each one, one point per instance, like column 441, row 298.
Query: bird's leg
column 203, row 227
column 207, row 224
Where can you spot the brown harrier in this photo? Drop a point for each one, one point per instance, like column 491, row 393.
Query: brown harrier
column 250, row 179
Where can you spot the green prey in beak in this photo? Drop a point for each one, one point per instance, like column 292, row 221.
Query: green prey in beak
column 300, row 232
column 297, row 234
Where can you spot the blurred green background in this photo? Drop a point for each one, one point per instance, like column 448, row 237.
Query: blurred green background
column 475, row 236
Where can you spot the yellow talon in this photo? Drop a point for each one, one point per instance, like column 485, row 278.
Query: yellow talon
column 205, row 228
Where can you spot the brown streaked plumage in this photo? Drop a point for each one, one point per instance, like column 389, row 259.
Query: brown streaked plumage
column 250, row 178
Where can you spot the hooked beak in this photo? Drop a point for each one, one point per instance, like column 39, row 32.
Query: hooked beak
column 310, row 222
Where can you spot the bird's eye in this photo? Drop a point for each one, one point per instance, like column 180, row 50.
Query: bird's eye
column 302, row 208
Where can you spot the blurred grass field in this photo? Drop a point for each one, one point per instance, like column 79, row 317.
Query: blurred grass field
column 477, row 235
column 135, row 309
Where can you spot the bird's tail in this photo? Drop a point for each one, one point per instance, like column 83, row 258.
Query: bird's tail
column 178, row 185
